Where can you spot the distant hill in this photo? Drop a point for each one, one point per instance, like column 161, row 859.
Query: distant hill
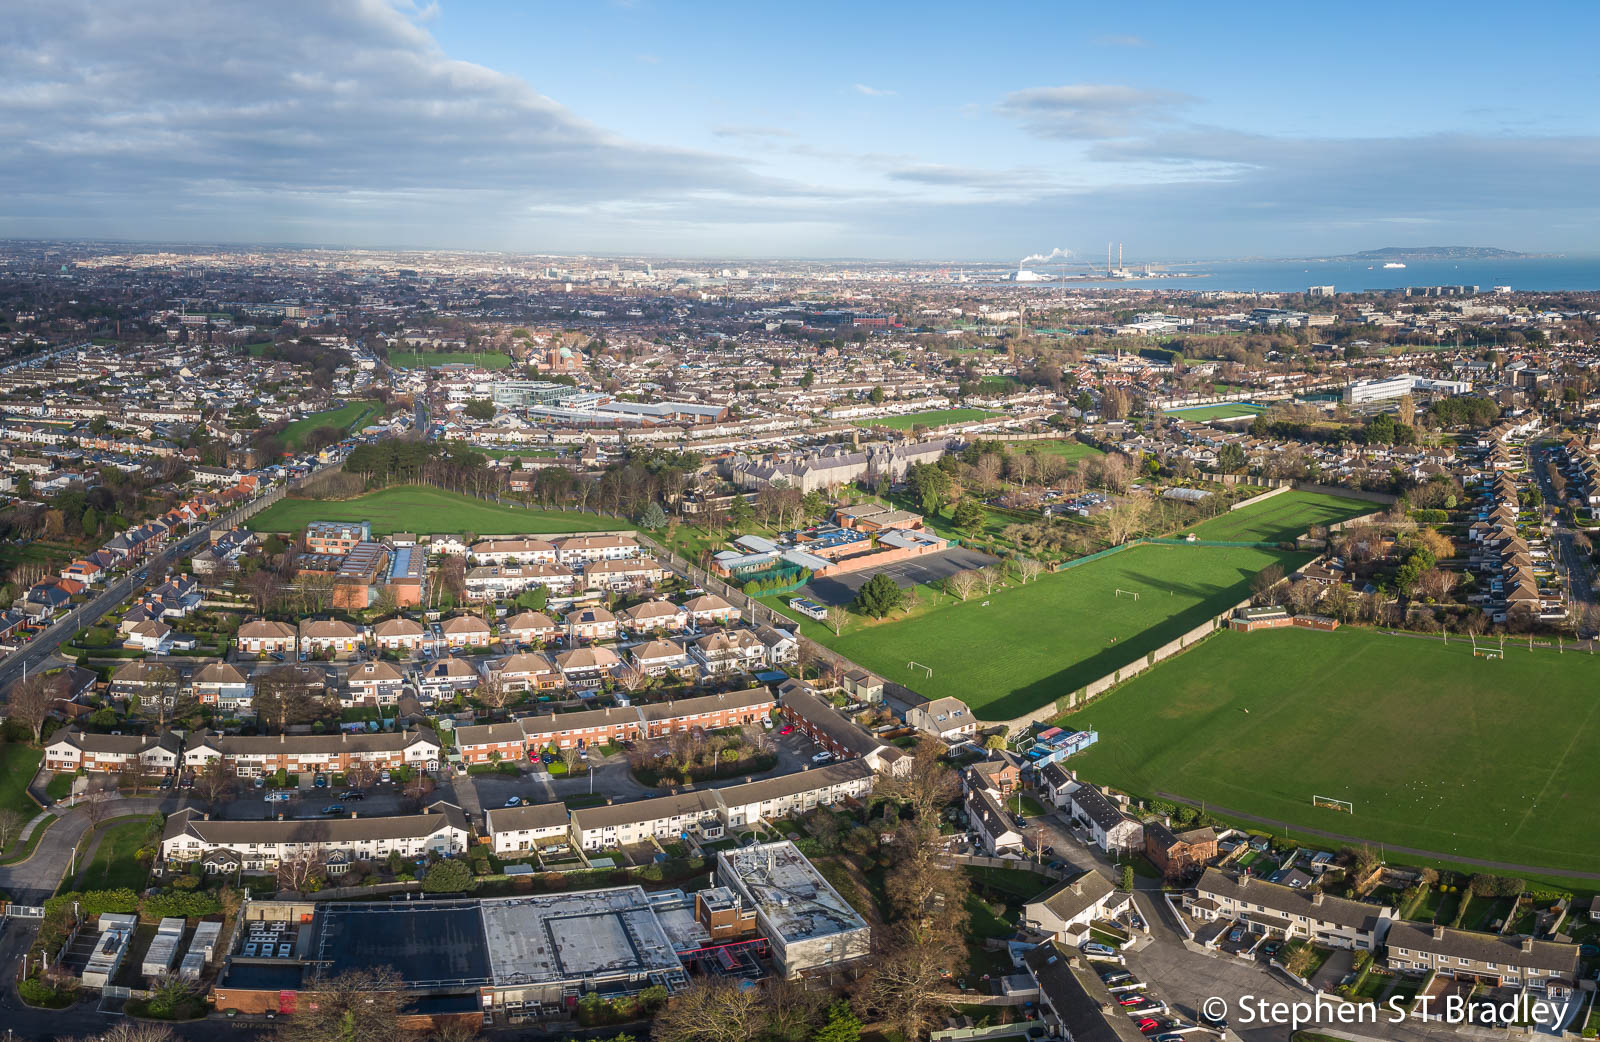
column 1425, row 253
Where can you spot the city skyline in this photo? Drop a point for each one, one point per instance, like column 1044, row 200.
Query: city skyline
column 638, row 128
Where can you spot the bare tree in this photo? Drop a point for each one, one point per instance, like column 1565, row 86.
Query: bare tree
column 1264, row 584
column 837, row 617
column 993, row 577
column 214, row 783
column 297, row 871
column 96, row 805
column 354, row 1006
column 963, row 584
column 631, row 676
column 712, row 1010
column 11, row 823
column 491, row 690
column 927, row 786
column 1027, row 568
column 1125, row 520
column 906, row 988
column 283, row 697
column 29, row 703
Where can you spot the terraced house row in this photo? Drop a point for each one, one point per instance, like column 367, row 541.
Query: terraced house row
column 487, row 743
column 245, row 755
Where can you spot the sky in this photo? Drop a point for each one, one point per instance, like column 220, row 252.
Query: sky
column 927, row 131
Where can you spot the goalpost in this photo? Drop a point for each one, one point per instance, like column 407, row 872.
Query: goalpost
column 1333, row 804
column 1128, row 593
column 917, row 665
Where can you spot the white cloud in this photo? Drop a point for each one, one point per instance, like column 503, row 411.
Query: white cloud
column 1090, row 111
column 874, row 92
column 1122, row 40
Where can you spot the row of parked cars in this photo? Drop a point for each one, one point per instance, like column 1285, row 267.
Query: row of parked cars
column 1150, row 1015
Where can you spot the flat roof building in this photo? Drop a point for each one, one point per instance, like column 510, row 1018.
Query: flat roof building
column 807, row 923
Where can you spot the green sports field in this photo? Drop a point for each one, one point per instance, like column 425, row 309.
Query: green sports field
column 931, row 418
column 1281, row 519
column 1203, row 413
column 1033, row 644
column 1437, row 749
column 428, row 511
column 347, row 417
column 424, row 359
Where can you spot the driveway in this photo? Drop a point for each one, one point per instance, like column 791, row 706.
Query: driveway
column 33, row 880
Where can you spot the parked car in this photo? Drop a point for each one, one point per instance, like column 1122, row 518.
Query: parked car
column 333, row 808
column 786, row 729
column 384, row 777
column 277, row 797
column 1147, row 1025
column 1236, row 934
column 515, row 801
column 321, row 781
column 1094, row 948
column 822, row 757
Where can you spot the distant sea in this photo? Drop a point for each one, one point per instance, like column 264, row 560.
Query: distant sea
column 1534, row 273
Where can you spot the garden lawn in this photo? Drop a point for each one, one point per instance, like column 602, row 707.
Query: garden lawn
column 1438, row 750
column 1281, row 519
column 1066, row 448
column 425, row 359
column 931, row 418
column 114, row 864
column 1020, row 648
column 413, row 508
column 1202, row 413
column 347, row 418
column 18, row 764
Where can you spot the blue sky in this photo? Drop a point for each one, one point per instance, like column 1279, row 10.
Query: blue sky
column 938, row 131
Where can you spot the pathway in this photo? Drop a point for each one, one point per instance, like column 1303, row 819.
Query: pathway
column 36, row 877
column 1434, row 855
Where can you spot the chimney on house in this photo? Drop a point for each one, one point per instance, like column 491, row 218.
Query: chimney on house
column 1527, row 944
column 1316, row 899
column 1438, row 933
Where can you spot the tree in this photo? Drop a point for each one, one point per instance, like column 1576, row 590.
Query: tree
column 992, row 576
column 963, row 584
column 354, row 1006
column 712, row 1010
column 927, row 786
column 480, row 409
column 1125, row 520
column 301, row 871
column 995, row 742
column 879, row 596
column 1026, row 568
column 1127, row 877
column 837, row 616
column 842, row 1026
column 1265, row 581
column 653, row 518
column 491, row 690
column 283, row 697
column 11, row 823
column 29, row 703
column 876, row 395
column 970, row 516
column 905, row 986
column 448, row 876
column 214, row 783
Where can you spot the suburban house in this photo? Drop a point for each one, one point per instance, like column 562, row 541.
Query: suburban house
column 658, row 657
column 318, row 635
column 769, row 799
column 513, row 551
column 376, row 683
column 653, row 617
column 1175, row 854
column 533, row 827
column 466, row 631
column 265, row 637
column 633, row 573
column 1484, row 958
column 70, row 750
column 1072, row 998
column 221, row 684
column 401, row 634
column 730, row 651
column 1066, row 909
column 994, row 825
column 1111, row 829
column 443, row 677
column 524, row 671
column 261, row 846
column 947, row 718
column 709, row 609
column 530, row 626
column 587, row 667
column 1287, row 912
column 862, row 686
column 696, row 813
column 591, row 624
column 586, row 549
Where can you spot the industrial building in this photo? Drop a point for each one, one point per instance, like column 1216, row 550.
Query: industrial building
column 808, row 925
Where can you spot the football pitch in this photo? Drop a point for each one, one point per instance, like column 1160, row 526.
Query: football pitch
column 1282, row 519
column 931, row 418
column 1437, row 749
column 428, row 511
column 1022, row 647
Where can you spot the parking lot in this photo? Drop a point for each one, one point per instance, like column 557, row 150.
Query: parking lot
column 929, row 568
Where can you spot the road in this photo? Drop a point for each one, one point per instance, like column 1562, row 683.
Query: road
column 1572, row 560
column 38, row 650
column 33, row 880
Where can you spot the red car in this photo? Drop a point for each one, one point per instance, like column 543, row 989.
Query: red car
column 1148, row 1025
column 786, row 729
column 1132, row 1000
